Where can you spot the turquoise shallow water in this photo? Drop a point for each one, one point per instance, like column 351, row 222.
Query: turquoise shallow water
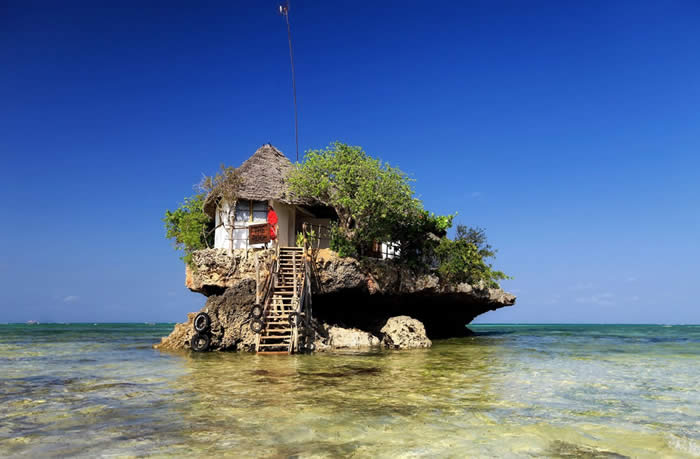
column 510, row 391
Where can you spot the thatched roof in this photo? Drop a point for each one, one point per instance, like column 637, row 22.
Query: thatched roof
column 264, row 177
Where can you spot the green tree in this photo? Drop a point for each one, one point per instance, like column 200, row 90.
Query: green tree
column 464, row 258
column 189, row 227
column 373, row 200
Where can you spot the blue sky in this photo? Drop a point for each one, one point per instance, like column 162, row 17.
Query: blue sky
column 571, row 132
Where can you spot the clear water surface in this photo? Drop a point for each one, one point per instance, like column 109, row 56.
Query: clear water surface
column 511, row 391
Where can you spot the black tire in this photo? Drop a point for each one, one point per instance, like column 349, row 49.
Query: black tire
column 200, row 342
column 256, row 325
column 310, row 347
column 256, row 311
column 201, row 322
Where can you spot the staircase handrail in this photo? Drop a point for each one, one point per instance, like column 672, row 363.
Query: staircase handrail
column 271, row 279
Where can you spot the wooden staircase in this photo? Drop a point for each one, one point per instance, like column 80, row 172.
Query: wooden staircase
column 279, row 332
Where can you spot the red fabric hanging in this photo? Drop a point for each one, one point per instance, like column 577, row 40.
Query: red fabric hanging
column 272, row 221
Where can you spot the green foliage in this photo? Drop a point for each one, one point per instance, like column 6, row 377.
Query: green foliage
column 311, row 238
column 375, row 203
column 463, row 259
column 373, row 200
column 340, row 243
column 189, row 227
column 418, row 237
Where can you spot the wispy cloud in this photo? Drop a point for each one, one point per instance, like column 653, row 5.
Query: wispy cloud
column 582, row 286
column 552, row 299
column 601, row 299
column 475, row 194
column 71, row 299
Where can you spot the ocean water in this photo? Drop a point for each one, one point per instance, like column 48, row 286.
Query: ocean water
column 511, row 391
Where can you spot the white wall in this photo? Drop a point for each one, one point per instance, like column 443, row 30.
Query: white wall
column 221, row 234
column 240, row 229
column 285, row 217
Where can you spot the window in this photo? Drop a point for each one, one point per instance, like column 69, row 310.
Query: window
column 259, row 211
column 242, row 211
column 251, row 211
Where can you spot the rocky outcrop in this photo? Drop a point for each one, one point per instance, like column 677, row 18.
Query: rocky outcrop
column 229, row 313
column 404, row 332
column 365, row 294
column 358, row 297
column 348, row 338
column 212, row 271
column 385, row 277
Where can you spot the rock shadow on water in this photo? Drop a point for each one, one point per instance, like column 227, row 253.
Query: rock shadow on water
column 342, row 372
column 562, row 449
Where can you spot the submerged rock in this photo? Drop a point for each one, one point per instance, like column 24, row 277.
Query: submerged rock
column 404, row 332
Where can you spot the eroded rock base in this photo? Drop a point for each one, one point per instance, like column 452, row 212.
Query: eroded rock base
column 229, row 313
column 356, row 304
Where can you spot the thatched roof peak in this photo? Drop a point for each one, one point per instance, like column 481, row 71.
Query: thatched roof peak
column 264, row 178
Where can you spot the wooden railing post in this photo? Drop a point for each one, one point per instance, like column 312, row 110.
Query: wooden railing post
column 294, row 272
column 257, row 280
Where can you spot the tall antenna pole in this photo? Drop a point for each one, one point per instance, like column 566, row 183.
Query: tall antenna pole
column 284, row 10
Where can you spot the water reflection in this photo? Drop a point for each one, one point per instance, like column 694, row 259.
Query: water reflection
column 323, row 404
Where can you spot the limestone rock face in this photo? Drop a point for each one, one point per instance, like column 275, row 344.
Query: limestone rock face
column 364, row 298
column 349, row 338
column 403, row 332
column 384, row 277
column 229, row 313
column 214, row 270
